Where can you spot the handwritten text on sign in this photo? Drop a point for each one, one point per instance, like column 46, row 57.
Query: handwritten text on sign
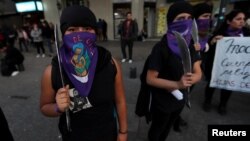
column 231, row 68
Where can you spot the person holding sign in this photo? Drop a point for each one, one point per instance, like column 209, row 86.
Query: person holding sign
column 233, row 26
column 166, row 72
column 93, row 93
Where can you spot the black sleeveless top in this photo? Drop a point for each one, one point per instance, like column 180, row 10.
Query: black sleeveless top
column 100, row 118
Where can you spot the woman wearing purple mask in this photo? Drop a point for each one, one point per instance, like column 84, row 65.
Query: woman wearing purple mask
column 202, row 15
column 233, row 26
column 93, row 92
column 165, row 72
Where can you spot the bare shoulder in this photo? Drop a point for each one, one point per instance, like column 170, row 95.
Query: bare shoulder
column 47, row 70
column 117, row 64
column 46, row 76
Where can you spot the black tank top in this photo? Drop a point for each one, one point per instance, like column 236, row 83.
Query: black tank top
column 101, row 97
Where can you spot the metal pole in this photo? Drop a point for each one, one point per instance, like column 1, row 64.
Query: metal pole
column 61, row 73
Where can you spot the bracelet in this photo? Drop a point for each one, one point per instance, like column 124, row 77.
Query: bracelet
column 58, row 110
column 125, row 132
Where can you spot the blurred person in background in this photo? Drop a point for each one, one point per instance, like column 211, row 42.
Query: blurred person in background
column 233, row 26
column 12, row 61
column 129, row 31
column 36, row 34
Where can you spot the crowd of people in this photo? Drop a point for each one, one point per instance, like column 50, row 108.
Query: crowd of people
column 85, row 89
column 14, row 40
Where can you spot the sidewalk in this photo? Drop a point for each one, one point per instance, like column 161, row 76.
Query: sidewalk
column 238, row 109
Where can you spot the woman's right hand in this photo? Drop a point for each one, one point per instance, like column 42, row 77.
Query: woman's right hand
column 215, row 39
column 197, row 46
column 63, row 99
column 186, row 81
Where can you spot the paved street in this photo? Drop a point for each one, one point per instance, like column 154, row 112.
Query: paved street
column 19, row 99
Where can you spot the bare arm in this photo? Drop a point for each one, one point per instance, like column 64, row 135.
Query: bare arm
column 153, row 80
column 120, row 101
column 197, row 72
column 49, row 99
column 169, row 85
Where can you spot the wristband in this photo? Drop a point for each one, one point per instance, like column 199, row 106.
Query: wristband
column 125, row 132
column 58, row 110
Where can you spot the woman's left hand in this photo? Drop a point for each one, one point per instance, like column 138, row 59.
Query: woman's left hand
column 197, row 46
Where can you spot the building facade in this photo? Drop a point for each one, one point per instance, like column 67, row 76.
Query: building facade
column 149, row 14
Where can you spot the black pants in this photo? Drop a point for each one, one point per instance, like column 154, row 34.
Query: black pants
column 161, row 125
column 22, row 42
column 39, row 45
column 224, row 95
column 129, row 43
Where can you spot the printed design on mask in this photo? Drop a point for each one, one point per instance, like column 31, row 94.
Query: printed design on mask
column 80, row 60
column 79, row 57
column 77, row 102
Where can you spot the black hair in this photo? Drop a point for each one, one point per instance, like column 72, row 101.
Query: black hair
column 128, row 13
column 229, row 17
column 232, row 14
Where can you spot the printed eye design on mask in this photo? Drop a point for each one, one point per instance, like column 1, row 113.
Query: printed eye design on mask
column 80, row 60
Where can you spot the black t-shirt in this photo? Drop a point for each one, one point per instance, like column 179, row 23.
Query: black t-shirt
column 169, row 67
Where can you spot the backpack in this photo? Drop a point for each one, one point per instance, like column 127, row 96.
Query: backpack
column 144, row 99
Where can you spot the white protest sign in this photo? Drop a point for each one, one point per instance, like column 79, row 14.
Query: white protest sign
column 231, row 68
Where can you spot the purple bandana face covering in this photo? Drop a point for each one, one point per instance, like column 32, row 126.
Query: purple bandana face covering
column 184, row 28
column 234, row 32
column 79, row 58
column 203, row 27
